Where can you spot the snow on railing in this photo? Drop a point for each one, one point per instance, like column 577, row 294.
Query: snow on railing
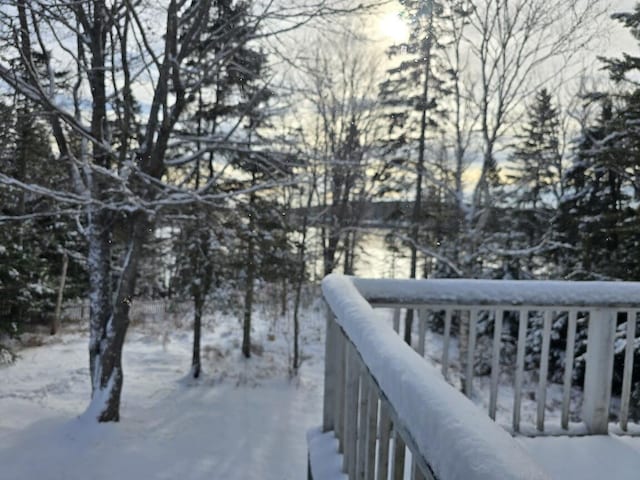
column 601, row 303
column 382, row 399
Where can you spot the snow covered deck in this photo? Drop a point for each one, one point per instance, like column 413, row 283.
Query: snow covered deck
column 394, row 413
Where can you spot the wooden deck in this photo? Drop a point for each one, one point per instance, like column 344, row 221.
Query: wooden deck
column 389, row 414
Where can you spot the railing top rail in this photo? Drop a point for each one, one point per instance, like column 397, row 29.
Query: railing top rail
column 510, row 293
column 454, row 438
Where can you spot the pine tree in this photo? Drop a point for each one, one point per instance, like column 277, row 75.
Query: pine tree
column 534, row 173
column 411, row 93
column 34, row 238
column 597, row 215
column 226, row 110
column 536, row 163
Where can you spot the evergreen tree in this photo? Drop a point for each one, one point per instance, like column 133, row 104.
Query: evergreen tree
column 597, row 217
column 228, row 110
column 533, row 188
column 599, row 214
column 623, row 190
column 411, row 93
column 536, row 163
column 34, row 237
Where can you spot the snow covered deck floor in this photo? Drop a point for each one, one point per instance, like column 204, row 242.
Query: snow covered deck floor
column 593, row 457
column 393, row 412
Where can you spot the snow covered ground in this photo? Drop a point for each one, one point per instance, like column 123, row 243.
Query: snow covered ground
column 245, row 419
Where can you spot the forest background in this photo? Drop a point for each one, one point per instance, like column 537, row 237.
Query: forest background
column 201, row 149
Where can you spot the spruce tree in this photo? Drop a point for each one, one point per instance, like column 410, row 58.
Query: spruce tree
column 411, row 93
column 228, row 112
column 534, row 173
column 34, row 235
column 597, row 214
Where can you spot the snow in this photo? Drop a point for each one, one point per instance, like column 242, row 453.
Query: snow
column 430, row 408
column 100, row 398
column 500, row 292
column 325, row 464
column 587, row 458
column 244, row 420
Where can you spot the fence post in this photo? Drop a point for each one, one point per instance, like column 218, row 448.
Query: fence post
column 330, row 378
column 350, row 412
column 599, row 370
column 340, row 388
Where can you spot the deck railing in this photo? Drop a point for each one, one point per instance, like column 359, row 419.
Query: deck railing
column 386, row 404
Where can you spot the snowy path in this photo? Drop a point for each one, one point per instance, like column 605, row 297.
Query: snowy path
column 245, row 420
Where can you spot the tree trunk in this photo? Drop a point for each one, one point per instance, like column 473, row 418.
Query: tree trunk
column 100, row 293
column 463, row 342
column 248, row 294
column 299, row 281
column 350, row 241
column 283, row 297
column 109, row 321
column 296, row 311
column 329, row 253
column 198, row 303
column 248, row 302
column 417, row 206
column 55, row 324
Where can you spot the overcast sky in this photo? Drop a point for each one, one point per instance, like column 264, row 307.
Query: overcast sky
column 621, row 40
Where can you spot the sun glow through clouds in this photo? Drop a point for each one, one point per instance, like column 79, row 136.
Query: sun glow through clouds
column 393, row 27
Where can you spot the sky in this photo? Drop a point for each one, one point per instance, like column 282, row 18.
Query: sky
column 617, row 39
column 621, row 40
column 390, row 28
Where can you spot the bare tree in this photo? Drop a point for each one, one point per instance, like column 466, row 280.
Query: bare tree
column 518, row 47
column 498, row 54
column 130, row 78
column 341, row 125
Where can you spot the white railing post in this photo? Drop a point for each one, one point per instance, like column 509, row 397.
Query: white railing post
column 471, row 351
column 330, row 377
column 372, row 429
column 422, row 331
column 495, row 361
column 599, row 368
column 628, row 369
column 396, row 319
column 445, row 346
column 351, row 412
column 517, row 389
column 398, row 456
column 568, row 367
column 384, row 443
column 361, row 431
column 341, row 367
column 541, row 397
